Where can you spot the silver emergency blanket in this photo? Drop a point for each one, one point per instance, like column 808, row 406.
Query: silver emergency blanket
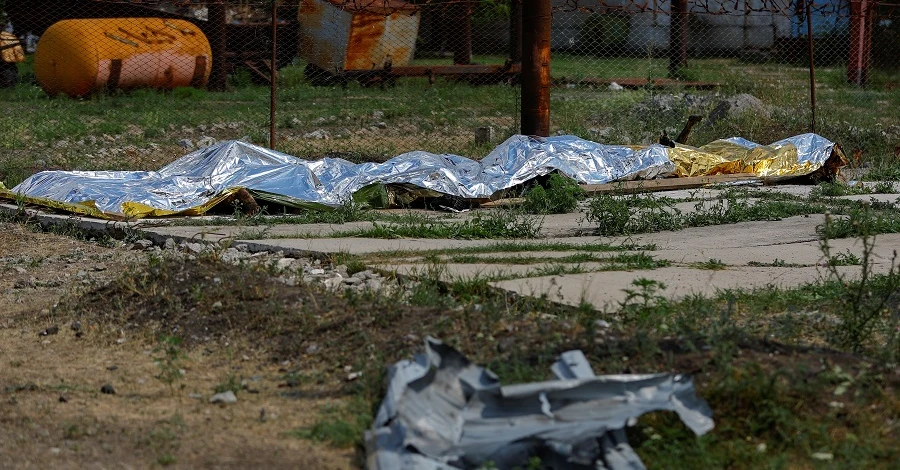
column 198, row 181
column 193, row 180
column 441, row 412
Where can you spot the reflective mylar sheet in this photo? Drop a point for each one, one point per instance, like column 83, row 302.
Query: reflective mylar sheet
column 198, row 181
column 798, row 155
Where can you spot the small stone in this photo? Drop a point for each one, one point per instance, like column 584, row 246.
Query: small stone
column 615, row 87
column 284, row 263
column 55, row 450
column 602, row 324
column 142, row 245
column 108, row 389
column 378, row 114
column 352, row 281
column 169, row 244
column 50, row 331
column 318, row 134
column 353, row 376
column 484, row 135
column 380, row 125
column 205, row 141
column 186, row 144
column 822, row 456
column 20, row 270
column 317, row 272
column 312, row 348
column 216, row 305
column 120, row 341
column 76, row 326
column 224, row 397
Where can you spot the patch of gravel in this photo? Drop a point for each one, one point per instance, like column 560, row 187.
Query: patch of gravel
column 289, row 270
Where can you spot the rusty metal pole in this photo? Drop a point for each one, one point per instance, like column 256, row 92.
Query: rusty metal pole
column 515, row 31
column 461, row 31
column 535, row 117
column 678, row 38
column 273, row 85
column 860, row 42
column 215, row 32
column 812, row 69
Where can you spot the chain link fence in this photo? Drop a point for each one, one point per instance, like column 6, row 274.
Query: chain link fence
column 116, row 84
column 628, row 70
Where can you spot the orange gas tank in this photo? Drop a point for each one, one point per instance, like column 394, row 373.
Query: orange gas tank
column 80, row 57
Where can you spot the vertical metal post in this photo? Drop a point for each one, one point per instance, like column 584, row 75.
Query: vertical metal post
column 515, row 31
column 678, row 38
column 536, row 18
column 273, row 86
column 812, row 68
column 860, row 41
column 216, row 24
column 461, row 32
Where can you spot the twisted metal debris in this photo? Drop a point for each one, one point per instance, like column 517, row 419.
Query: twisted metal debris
column 442, row 412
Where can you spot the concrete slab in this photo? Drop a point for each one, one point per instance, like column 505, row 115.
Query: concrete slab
column 214, row 233
column 606, row 289
column 358, row 245
column 891, row 198
column 803, row 253
column 740, row 235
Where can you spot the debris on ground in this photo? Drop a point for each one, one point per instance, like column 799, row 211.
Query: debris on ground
column 443, row 412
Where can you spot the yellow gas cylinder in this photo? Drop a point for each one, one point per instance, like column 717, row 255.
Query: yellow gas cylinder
column 82, row 56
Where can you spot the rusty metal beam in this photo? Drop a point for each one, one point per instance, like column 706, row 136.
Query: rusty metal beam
column 449, row 70
column 273, row 81
column 861, row 16
column 812, row 68
column 515, row 31
column 215, row 33
column 678, row 38
column 460, row 31
column 535, row 113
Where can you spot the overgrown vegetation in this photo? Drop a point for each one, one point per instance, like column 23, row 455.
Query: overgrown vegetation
column 561, row 196
column 631, row 214
column 772, row 363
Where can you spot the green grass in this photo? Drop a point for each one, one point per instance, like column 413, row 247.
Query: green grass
column 140, row 129
column 621, row 215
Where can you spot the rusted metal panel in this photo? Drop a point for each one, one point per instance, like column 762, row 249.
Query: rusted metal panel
column 324, row 32
column 337, row 35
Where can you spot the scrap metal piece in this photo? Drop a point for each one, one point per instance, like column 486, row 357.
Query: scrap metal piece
column 443, row 412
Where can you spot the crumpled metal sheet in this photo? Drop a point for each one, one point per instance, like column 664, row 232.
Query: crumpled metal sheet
column 193, row 183
column 794, row 156
column 442, row 412
column 198, row 181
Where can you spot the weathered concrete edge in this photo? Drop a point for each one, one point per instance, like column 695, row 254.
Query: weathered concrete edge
column 116, row 228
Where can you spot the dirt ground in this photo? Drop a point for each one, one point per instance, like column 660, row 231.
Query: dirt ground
column 52, row 411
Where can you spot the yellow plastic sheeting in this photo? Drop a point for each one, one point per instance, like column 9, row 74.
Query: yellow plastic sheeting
column 131, row 210
column 724, row 157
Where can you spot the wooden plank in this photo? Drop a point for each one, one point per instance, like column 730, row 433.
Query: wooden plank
column 666, row 184
column 645, row 186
